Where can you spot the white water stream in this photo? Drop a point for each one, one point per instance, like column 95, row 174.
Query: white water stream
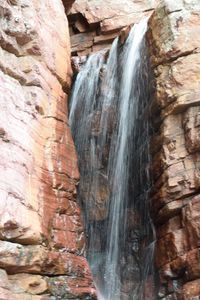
column 108, row 98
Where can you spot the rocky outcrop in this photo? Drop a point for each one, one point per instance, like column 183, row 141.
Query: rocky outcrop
column 175, row 56
column 93, row 25
column 42, row 240
column 173, row 39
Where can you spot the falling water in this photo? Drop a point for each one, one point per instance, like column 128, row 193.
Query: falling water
column 110, row 126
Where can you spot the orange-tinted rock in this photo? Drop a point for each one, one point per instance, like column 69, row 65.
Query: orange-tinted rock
column 174, row 223
column 193, row 264
column 191, row 220
column 65, row 288
column 191, row 123
column 95, row 12
column 173, row 42
column 170, row 246
column 172, row 28
column 38, row 169
column 190, row 290
column 60, row 286
column 105, row 21
column 186, row 267
column 25, row 283
column 102, row 38
column 82, row 41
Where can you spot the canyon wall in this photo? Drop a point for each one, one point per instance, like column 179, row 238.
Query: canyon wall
column 174, row 41
column 42, row 242
column 95, row 24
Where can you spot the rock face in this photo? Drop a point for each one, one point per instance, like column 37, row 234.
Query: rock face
column 94, row 24
column 42, row 240
column 174, row 40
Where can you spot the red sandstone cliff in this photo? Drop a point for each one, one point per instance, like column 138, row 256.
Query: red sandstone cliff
column 174, row 41
column 42, row 240
column 41, row 232
column 94, row 24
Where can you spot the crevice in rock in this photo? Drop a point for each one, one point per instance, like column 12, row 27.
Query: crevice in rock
column 176, row 57
column 174, row 11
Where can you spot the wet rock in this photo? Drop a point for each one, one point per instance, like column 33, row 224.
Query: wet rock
column 77, row 63
column 71, row 288
column 193, row 264
column 174, row 223
column 170, row 246
column 15, row 258
column 191, row 290
column 191, row 220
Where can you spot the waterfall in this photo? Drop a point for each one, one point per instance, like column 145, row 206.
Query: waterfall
column 110, row 126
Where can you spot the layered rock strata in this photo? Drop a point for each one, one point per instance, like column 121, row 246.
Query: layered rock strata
column 94, row 24
column 42, row 240
column 174, row 41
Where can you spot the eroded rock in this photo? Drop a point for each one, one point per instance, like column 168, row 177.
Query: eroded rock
column 174, row 55
column 41, row 229
column 104, row 21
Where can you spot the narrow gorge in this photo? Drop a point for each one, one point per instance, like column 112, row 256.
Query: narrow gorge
column 109, row 102
column 100, row 142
